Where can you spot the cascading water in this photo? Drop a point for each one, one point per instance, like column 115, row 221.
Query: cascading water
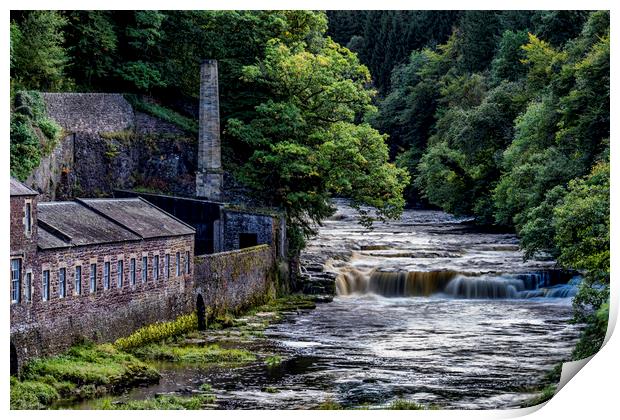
column 457, row 285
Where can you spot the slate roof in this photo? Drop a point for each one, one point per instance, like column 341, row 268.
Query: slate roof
column 17, row 188
column 98, row 221
column 140, row 216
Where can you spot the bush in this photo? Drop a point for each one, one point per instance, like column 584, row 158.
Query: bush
column 31, row 395
column 158, row 332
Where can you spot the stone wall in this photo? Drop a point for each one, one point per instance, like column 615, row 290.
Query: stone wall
column 44, row 327
column 231, row 281
column 110, row 145
column 237, row 222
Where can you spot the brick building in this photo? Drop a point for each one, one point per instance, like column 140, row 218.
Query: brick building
column 74, row 262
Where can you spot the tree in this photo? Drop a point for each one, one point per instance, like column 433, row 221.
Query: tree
column 306, row 144
column 39, row 58
column 93, row 41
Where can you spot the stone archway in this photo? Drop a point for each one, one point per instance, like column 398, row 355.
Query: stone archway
column 14, row 361
column 200, row 310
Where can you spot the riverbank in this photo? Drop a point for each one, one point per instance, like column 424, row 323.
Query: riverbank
column 89, row 371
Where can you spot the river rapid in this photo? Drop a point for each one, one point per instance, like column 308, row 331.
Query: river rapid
column 429, row 309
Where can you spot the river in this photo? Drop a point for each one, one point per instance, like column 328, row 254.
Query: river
column 429, row 309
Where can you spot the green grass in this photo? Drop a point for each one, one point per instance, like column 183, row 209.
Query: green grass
column 405, row 405
column 89, row 364
column 161, row 402
column 31, row 395
column 158, row 332
column 545, row 395
column 273, row 361
column 329, row 405
column 212, row 353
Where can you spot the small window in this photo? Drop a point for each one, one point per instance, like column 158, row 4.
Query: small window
column 186, row 262
column 132, row 271
column 93, row 278
column 28, row 218
column 28, row 287
column 46, row 285
column 119, row 274
column 167, row 266
column 145, row 271
column 62, row 282
column 16, row 279
column 247, row 240
column 78, row 280
column 156, row 267
column 178, row 263
column 106, row 275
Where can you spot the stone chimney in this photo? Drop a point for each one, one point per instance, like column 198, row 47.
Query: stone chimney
column 209, row 177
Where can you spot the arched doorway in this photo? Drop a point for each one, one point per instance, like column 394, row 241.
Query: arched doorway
column 200, row 310
column 14, row 361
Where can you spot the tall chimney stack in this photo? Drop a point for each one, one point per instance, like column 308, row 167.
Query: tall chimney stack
column 209, row 177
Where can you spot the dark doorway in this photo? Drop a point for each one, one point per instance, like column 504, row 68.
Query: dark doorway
column 14, row 362
column 247, row 240
column 200, row 310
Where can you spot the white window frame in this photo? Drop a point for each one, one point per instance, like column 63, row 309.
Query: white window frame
column 62, row 282
column 156, row 267
column 16, row 280
column 106, row 275
column 120, row 266
column 77, row 287
column 145, row 268
column 93, row 278
column 132, row 271
column 45, row 285
column 28, row 287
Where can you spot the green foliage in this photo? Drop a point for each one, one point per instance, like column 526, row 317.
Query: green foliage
column 212, row 353
column 33, row 135
column 405, row 405
column 188, row 124
column 38, row 55
column 159, row 402
column 143, row 75
column 273, row 361
column 88, row 364
column 306, row 144
column 157, row 332
column 329, row 404
column 545, row 395
column 31, row 395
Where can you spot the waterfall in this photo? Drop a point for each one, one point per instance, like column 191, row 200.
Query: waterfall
column 456, row 285
column 484, row 287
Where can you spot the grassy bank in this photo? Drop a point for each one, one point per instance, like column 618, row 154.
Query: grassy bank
column 88, row 371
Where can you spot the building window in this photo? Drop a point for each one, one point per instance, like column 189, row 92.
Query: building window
column 28, row 219
column 106, row 275
column 46, row 285
column 62, row 282
column 78, row 280
column 28, row 287
column 93, row 278
column 145, row 272
column 16, row 279
column 119, row 274
column 167, row 266
column 132, row 271
column 186, row 262
column 178, row 263
column 156, row 267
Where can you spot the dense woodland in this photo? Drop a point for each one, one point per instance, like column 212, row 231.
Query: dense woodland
column 503, row 116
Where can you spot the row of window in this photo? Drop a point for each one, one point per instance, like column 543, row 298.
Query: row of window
column 16, row 276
